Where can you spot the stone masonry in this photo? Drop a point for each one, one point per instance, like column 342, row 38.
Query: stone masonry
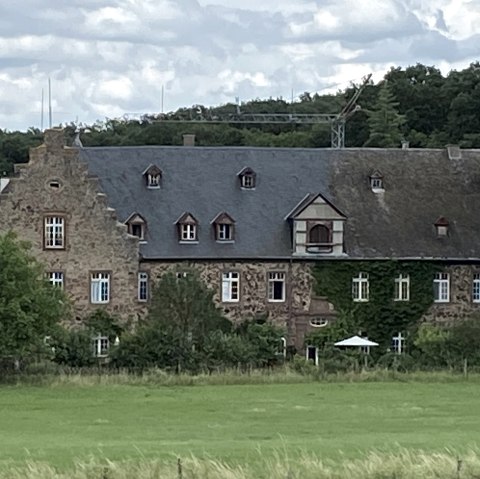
column 253, row 301
column 56, row 182
column 460, row 305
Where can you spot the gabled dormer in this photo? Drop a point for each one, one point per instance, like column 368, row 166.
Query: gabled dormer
column 441, row 227
column 376, row 182
column 187, row 228
column 153, row 177
column 317, row 227
column 224, row 228
column 137, row 226
column 247, row 178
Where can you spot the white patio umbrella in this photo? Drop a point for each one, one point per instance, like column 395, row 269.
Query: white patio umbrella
column 356, row 341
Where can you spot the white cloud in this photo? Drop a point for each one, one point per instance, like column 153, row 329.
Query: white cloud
column 110, row 57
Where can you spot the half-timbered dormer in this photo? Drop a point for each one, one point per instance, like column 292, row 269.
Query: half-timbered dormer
column 317, row 227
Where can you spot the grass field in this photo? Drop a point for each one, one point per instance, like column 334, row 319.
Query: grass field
column 236, row 424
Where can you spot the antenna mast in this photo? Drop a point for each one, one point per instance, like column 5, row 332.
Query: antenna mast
column 163, row 96
column 41, row 114
column 49, row 103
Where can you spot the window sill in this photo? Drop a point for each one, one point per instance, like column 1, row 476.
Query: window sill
column 442, row 301
column 225, row 241
column 276, row 300
column 360, row 300
column 188, row 242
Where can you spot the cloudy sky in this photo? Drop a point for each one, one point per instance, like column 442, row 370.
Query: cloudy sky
column 107, row 58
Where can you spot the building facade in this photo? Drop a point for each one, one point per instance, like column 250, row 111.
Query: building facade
column 108, row 222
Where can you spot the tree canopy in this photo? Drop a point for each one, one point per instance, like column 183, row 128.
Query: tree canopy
column 185, row 331
column 30, row 308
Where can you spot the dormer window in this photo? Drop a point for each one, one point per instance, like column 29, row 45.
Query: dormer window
column 319, row 237
column 376, row 182
column 224, row 226
column 441, row 226
column 317, row 227
column 136, row 225
column 153, row 177
column 247, row 178
column 187, row 228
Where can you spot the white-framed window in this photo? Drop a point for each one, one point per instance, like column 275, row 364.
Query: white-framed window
column 100, row 288
column 54, row 232
column 56, row 278
column 230, row 287
column 398, row 344
column 360, row 287
column 137, row 229
column 276, row 287
column 142, row 286
column 181, row 274
column 441, row 288
column 318, row 322
column 188, row 232
column 476, row 288
column 247, row 180
column 402, row 287
column 376, row 183
column 224, row 232
column 153, row 180
column 100, row 346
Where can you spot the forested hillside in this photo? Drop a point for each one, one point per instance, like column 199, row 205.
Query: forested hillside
column 417, row 104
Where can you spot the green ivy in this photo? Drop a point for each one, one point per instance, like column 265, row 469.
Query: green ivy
column 381, row 317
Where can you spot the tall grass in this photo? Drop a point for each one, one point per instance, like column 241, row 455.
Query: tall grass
column 402, row 465
column 282, row 375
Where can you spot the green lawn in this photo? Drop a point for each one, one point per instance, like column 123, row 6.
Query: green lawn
column 234, row 423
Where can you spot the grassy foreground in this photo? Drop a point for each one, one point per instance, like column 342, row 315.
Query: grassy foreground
column 238, row 428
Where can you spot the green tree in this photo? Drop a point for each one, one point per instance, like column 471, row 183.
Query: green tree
column 384, row 121
column 185, row 331
column 418, row 89
column 30, row 308
column 178, row 328
column 74, row 347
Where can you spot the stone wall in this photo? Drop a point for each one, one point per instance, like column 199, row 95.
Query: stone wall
column 253, row 301
column 460, row 305
column 95, row 241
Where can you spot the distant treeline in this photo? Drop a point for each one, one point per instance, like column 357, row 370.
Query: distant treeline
column 430, row 110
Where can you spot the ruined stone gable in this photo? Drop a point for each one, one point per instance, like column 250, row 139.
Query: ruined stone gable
column 55, row 183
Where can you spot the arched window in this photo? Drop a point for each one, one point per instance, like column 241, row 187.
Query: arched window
column 319, row 235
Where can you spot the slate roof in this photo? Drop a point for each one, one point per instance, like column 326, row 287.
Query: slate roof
column 420, row 186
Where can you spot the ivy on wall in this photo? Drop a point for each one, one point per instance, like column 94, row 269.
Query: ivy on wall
column 381, row 317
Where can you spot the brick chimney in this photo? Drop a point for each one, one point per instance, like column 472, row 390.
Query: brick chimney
column 189, row 140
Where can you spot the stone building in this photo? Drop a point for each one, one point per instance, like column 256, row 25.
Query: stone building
column 107, row 222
